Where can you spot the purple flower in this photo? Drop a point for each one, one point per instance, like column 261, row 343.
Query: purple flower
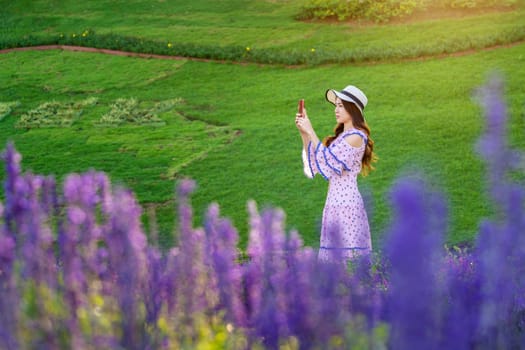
column 265, row 276
column 9, row 300
column 27, row 239
column 221, row 251
column 79, row 238
column 413, row 248
column 7, row 251
column 461, row 309
column 192, row 276
column 500, row 248
column 492, row 145
column 501, row 255
column 12, row 201
column 126, row 244
column 301, row 265
column 153, row 295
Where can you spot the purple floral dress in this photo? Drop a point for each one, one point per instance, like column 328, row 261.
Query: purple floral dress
column 345, row 233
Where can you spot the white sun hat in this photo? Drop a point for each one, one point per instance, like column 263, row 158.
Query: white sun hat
column 350, row 94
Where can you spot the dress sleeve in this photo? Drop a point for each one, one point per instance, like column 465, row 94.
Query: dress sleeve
column 328, row 161
column 306, row 166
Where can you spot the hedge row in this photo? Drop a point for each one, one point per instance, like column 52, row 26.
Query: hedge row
column 237, row 53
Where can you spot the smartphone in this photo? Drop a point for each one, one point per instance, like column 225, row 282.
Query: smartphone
column 300, row 108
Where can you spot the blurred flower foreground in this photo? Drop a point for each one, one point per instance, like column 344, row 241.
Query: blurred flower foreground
column 77, row 271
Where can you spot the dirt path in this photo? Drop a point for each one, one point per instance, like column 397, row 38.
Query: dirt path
column 104, row 51
column 169, row 57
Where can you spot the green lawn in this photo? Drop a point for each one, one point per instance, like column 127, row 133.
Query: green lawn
column 234, row 132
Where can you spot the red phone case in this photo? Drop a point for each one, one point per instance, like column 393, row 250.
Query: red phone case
column 301, row 107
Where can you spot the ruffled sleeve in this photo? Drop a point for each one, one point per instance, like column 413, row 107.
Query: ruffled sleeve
column 306, row 166
column 333, row 160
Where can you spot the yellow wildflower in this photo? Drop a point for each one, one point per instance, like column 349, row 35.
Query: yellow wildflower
column 163, row 324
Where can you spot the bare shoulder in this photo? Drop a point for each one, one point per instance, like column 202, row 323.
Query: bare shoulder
column 354, row 140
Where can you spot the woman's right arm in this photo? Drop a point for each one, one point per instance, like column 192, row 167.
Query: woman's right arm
column 317, row 158
column 310, row 140
column 307, row 131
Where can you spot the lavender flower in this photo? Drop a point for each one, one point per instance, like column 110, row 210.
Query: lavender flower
column 265, row 276
column 192, row 275
column 152, row 295
column 460, row 310
column 221, row 253
column 37, row 241
column 13, row 204
column 80, row 253
column 126, row 247
column 9, row 299
column 492, row 145
column 413, row 249
column 301, row 266
column 27, row 234
column 501, row 243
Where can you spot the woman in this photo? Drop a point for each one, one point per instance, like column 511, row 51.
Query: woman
column 345, row 233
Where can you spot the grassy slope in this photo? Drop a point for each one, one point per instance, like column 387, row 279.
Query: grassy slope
column 421, row 113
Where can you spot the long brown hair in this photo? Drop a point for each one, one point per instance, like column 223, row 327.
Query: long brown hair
column 359, row 123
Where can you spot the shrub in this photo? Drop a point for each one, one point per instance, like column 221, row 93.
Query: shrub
column 6, row 108
column 77, row 271
column 378, row 11
column 472, row 4
column 386, row 10
column 54, row 114
column 130, row 111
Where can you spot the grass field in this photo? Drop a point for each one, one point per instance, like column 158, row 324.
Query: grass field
column 234, row 133
column 268, row 28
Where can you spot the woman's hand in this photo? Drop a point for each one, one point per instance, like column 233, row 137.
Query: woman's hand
column 307, row 131
column 303, row 124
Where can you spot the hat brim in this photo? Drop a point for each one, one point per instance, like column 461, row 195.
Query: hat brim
column 332, row 95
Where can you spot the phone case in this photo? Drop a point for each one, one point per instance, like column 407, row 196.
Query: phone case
column 301, row 107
